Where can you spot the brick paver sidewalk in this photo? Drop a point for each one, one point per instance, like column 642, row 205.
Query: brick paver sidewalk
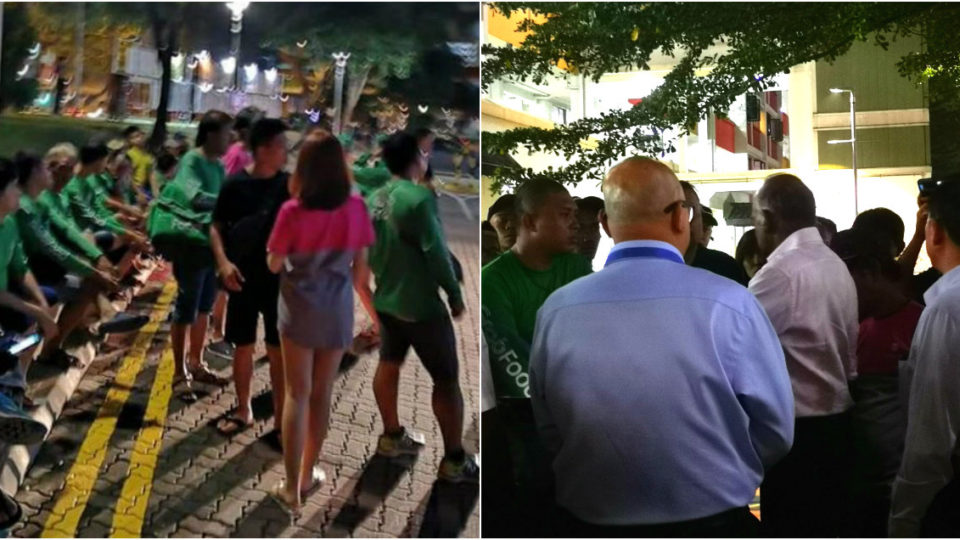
column 127, row 458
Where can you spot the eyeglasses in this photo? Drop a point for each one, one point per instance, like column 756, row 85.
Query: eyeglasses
column 684, row 204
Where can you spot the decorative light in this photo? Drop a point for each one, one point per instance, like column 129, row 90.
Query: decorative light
column 96, row 114
column 236, row 8
column 403, row 108
column 34, row 51
column 271, row 75
column 229, row 64
column 315, row 116
column 43, row 100
column 250, row 70
column 302, row 44
column 205, row 87
column 22, row 72
column 310, row 111
column 283, row 98
column 223, row 89
column 69, row 97
column 423, row 108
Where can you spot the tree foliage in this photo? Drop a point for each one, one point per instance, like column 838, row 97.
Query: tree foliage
column 18, row 37
column 741, row 46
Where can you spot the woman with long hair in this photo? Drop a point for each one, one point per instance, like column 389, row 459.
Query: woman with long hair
column 318, row 245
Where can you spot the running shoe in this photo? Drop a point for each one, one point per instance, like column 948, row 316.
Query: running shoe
column 464, row 470
column 404, row 443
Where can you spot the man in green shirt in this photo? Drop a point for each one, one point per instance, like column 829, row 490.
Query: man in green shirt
column 16, row 313
column 410, row 261
column 515, row 285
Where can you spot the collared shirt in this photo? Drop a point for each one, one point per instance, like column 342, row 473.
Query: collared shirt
column 933, row 420
column 811, row 300
column 660, row 388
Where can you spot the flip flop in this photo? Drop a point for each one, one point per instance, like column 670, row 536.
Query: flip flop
column 231, row 425
column 317, row 477
column 276, row 493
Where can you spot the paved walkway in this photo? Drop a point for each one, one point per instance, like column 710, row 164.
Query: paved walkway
column 129, row 459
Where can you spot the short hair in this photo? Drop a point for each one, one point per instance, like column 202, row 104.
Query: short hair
column 790, row 199
column 881, row 223
column 506, row 203
column 944, row 207
column 247, row 117
column 687, row 186
column 130, row 131
column 862, row 251
column 212, row 122
column 61, row 150
column 322, row 172
column 747, row 247
column 264, row 131
column 26, row 163
column 399, row 152
column 532, row 194
column 592, row 205
column 8, row 173
column 828, row 225
column 166, row 162
column 93, row 152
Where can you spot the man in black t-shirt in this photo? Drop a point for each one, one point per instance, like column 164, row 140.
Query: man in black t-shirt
column 242, row 220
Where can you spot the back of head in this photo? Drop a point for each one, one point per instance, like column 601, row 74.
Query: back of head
column 944, row 207
column 212, row 122
column 400, row 152
column 590, row 205
column 532, row 194
column 130, row 130
column 865, row 253
column 639, row 196
column 263, row 131
column 166, row 162
column 883, row 225
column 246, row 118
column 8, row 173
column 61, row 152
column 790, row 200
column 93, row 152
column 322, row 173
column 26, row 163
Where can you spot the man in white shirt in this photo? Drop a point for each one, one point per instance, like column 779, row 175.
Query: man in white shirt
column 811, row 301
column 926, row 493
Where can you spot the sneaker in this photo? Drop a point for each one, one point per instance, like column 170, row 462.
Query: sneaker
column 465, row 470
column 16, row 427
column 221, row 349
column 404, row 443
column 122, row 324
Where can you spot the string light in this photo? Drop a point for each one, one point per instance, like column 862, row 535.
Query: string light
column 423, row 108
column 229, row 64
column 250, row 70
column 96, row 114
column 271, row 75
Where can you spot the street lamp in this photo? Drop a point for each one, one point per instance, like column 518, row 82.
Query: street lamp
column 236, row 8
column 853, row 142
column 341, row 59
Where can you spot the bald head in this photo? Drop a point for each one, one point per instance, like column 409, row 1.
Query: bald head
column 637, row 196
column 783, row 206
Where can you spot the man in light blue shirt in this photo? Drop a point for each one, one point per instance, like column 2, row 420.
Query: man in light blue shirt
column 926, row 492
column 661, row 389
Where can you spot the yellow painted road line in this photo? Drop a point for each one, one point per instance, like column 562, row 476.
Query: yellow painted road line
column 132, row 506
column 66, row 513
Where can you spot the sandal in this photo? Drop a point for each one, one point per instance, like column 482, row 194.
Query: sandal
column 277, row 493
column 184, row 390
column 231, row 425
column 317, row 477
column 202, row 374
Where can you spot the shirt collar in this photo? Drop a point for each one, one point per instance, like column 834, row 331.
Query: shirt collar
column 645, row 243
column 807, row 235
column 948, row 281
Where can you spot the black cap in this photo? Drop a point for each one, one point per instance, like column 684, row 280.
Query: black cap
column 506, row 203
column 708, row 219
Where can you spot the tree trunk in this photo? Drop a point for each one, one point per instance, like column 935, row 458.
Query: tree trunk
column 165, row 45
column 355, row 85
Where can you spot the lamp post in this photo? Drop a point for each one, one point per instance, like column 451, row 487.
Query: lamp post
column 341, row 59
column 853, row 143
column 236, row 8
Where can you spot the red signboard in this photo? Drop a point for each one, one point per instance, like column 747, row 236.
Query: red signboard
column 726, row 137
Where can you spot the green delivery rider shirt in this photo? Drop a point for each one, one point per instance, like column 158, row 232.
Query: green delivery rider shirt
column 512, row 295
column 370, row 179
column 39, row 240
column 13, row 261
column 79, row 195
column 197, row 174
column 50, row 207
column 409, row 259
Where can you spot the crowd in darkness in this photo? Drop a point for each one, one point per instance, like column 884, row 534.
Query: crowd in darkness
column 247, row 242
column 655, row 396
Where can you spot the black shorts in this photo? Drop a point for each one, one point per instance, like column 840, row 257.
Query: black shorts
column 433, row 341
column 258, row 297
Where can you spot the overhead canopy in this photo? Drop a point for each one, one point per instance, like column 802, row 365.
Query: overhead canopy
column 491, row 162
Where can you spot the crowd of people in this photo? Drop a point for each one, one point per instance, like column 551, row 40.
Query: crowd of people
column 246, row 241
column 655, row 396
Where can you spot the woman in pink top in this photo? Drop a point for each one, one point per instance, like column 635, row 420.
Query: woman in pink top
column 318, row 245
